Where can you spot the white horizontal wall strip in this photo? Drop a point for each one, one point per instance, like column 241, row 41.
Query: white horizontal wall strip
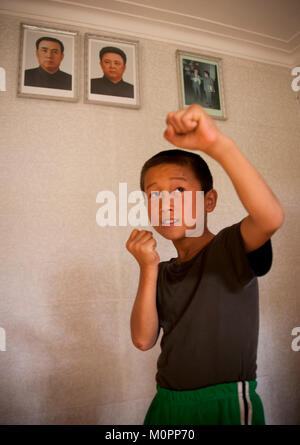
column 203, row 40
column 181, row 19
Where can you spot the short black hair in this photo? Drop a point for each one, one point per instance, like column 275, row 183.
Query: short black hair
column 181, row 157
column 112, row 49
column 51, row 39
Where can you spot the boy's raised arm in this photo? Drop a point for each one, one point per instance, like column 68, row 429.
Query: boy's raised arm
column 193, row 129
column 144, row 318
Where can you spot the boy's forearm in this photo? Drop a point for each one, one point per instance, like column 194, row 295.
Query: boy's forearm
column 144, row 318
column 254, row 193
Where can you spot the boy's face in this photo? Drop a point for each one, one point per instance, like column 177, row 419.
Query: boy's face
column 173, row 211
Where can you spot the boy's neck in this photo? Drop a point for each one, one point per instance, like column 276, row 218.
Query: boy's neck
column 187, row 248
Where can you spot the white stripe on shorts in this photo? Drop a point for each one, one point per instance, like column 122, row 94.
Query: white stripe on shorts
column 249, row 404
column 245, row 403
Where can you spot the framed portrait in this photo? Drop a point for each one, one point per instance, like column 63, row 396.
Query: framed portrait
column 48, row 67
column 112, row 71
column 200, row 82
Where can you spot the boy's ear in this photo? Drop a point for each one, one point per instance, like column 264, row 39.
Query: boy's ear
column 210, row 200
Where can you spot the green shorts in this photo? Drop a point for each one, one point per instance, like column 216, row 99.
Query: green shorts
column 225, row 404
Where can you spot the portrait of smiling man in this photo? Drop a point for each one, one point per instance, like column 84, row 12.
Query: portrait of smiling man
column 50, row 54
column 113, row 64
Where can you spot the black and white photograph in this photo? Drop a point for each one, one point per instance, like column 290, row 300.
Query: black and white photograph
column 200, row 82
column 48, row 67
column 112, row 76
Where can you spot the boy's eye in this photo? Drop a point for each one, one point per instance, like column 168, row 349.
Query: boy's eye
column 177, row 191
column 154, row 195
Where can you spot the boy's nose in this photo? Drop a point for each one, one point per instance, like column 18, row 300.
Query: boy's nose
column 165, row 205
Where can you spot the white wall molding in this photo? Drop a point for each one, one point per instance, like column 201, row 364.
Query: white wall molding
column 198, row 34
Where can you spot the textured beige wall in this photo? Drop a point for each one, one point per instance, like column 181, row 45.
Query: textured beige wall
column 68, row 285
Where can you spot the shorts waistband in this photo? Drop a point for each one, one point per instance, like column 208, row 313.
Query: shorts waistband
column 223, row 390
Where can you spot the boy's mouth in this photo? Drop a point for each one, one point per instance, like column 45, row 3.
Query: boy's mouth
column 170, row 222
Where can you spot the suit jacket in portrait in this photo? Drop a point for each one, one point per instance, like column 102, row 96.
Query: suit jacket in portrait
column 102, row 85
column 37, row 77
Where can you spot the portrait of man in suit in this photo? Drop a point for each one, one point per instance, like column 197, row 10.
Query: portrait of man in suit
column 112, row 61
column 50, row 54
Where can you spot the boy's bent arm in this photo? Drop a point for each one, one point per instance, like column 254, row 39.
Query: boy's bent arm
column 193, row 129
column 144, row 318
column 265, row 212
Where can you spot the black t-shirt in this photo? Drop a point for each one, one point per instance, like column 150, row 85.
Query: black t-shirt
column 208, row 310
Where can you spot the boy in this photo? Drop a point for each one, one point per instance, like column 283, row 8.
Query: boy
column 206, row 300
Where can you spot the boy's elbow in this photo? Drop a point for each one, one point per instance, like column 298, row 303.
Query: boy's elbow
column 142, row 346
column 275, row 221
column 282, row 218
column 278, row 219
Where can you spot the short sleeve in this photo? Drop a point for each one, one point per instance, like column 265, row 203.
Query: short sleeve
column 236, row 254
column 247, row 265
column 260, row 260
